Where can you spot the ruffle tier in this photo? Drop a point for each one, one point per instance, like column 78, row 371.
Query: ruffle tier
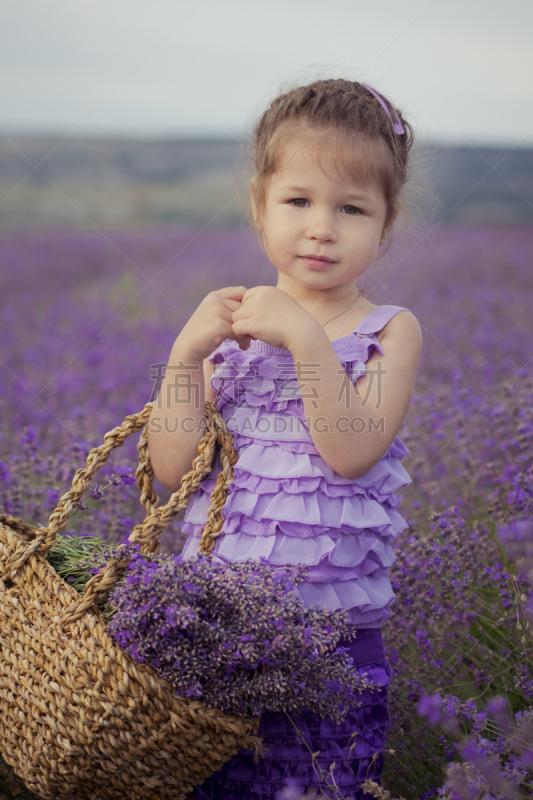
column 325, row 557
column 350, row 745
column 396, row 450
column 254, row 378
column 262, row 468
column 335, row 506
column 275, row 363
column 279, row 429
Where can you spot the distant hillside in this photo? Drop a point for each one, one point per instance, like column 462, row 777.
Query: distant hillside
column 134, row 183
column 485, row 185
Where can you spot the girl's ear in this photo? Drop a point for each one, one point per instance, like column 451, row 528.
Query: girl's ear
column 385, row 231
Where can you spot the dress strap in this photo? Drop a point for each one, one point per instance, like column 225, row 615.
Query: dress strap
column 377, row 319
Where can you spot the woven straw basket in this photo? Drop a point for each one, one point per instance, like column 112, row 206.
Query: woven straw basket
column 79, row 717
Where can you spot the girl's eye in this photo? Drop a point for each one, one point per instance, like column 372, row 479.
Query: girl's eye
column 354, row 208
column 298, row 200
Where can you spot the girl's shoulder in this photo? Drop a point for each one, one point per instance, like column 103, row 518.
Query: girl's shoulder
column 387, row 320
column 395, row 333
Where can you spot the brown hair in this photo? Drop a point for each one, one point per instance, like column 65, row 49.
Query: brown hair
column 341, row 118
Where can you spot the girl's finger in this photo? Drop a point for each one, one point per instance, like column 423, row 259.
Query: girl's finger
column 232, row 305
column 251, row 293
column 255, row 290
column 232, row 292
column 235, row 312
column 241, row 333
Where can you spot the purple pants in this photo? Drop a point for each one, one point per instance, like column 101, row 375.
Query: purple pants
column 288, row 761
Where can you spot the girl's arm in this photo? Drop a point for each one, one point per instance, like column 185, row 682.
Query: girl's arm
column 177, row 419
column 353, row 426
column 175, row 426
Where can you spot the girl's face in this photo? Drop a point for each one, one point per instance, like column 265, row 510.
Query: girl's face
column 311, row 213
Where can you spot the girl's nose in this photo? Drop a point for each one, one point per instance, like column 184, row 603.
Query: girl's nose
column 321, row 227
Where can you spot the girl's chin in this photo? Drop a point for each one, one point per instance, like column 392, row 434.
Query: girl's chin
column 304, row 276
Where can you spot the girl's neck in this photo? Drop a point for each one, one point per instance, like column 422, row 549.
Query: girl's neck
column 320, row 301
column 324, row 304
column 345, row 323
column 350, row 323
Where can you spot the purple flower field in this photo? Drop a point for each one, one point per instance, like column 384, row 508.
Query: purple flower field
column 88, row 317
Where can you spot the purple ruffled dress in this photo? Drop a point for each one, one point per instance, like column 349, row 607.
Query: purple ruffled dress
column 287, row 505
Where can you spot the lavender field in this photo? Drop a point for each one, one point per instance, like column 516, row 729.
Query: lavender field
column 88, row 317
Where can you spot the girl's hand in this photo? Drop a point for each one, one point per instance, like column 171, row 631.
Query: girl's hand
column 272, row 315
column 212, row 323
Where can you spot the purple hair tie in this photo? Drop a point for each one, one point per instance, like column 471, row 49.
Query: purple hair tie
column 398, row 127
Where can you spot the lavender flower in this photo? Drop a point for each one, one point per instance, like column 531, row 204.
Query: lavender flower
column 122, row 477
column 235, row 636
column 498, row 766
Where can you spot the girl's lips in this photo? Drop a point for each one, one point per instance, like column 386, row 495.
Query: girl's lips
column 316, row 263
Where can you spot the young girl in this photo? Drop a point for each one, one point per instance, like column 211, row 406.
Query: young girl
column 314, row 382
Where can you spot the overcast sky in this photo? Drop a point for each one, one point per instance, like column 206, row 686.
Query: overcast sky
column 460, row 70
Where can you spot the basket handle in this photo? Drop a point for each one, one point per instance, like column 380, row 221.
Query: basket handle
column 148, row 532
column 145, row 474
column 145, row 481
column 46, row 536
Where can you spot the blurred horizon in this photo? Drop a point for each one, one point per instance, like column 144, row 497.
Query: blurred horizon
column 79, row 182
column 130, row 135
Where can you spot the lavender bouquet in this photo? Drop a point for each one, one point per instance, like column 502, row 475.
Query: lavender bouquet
column 236, row 637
